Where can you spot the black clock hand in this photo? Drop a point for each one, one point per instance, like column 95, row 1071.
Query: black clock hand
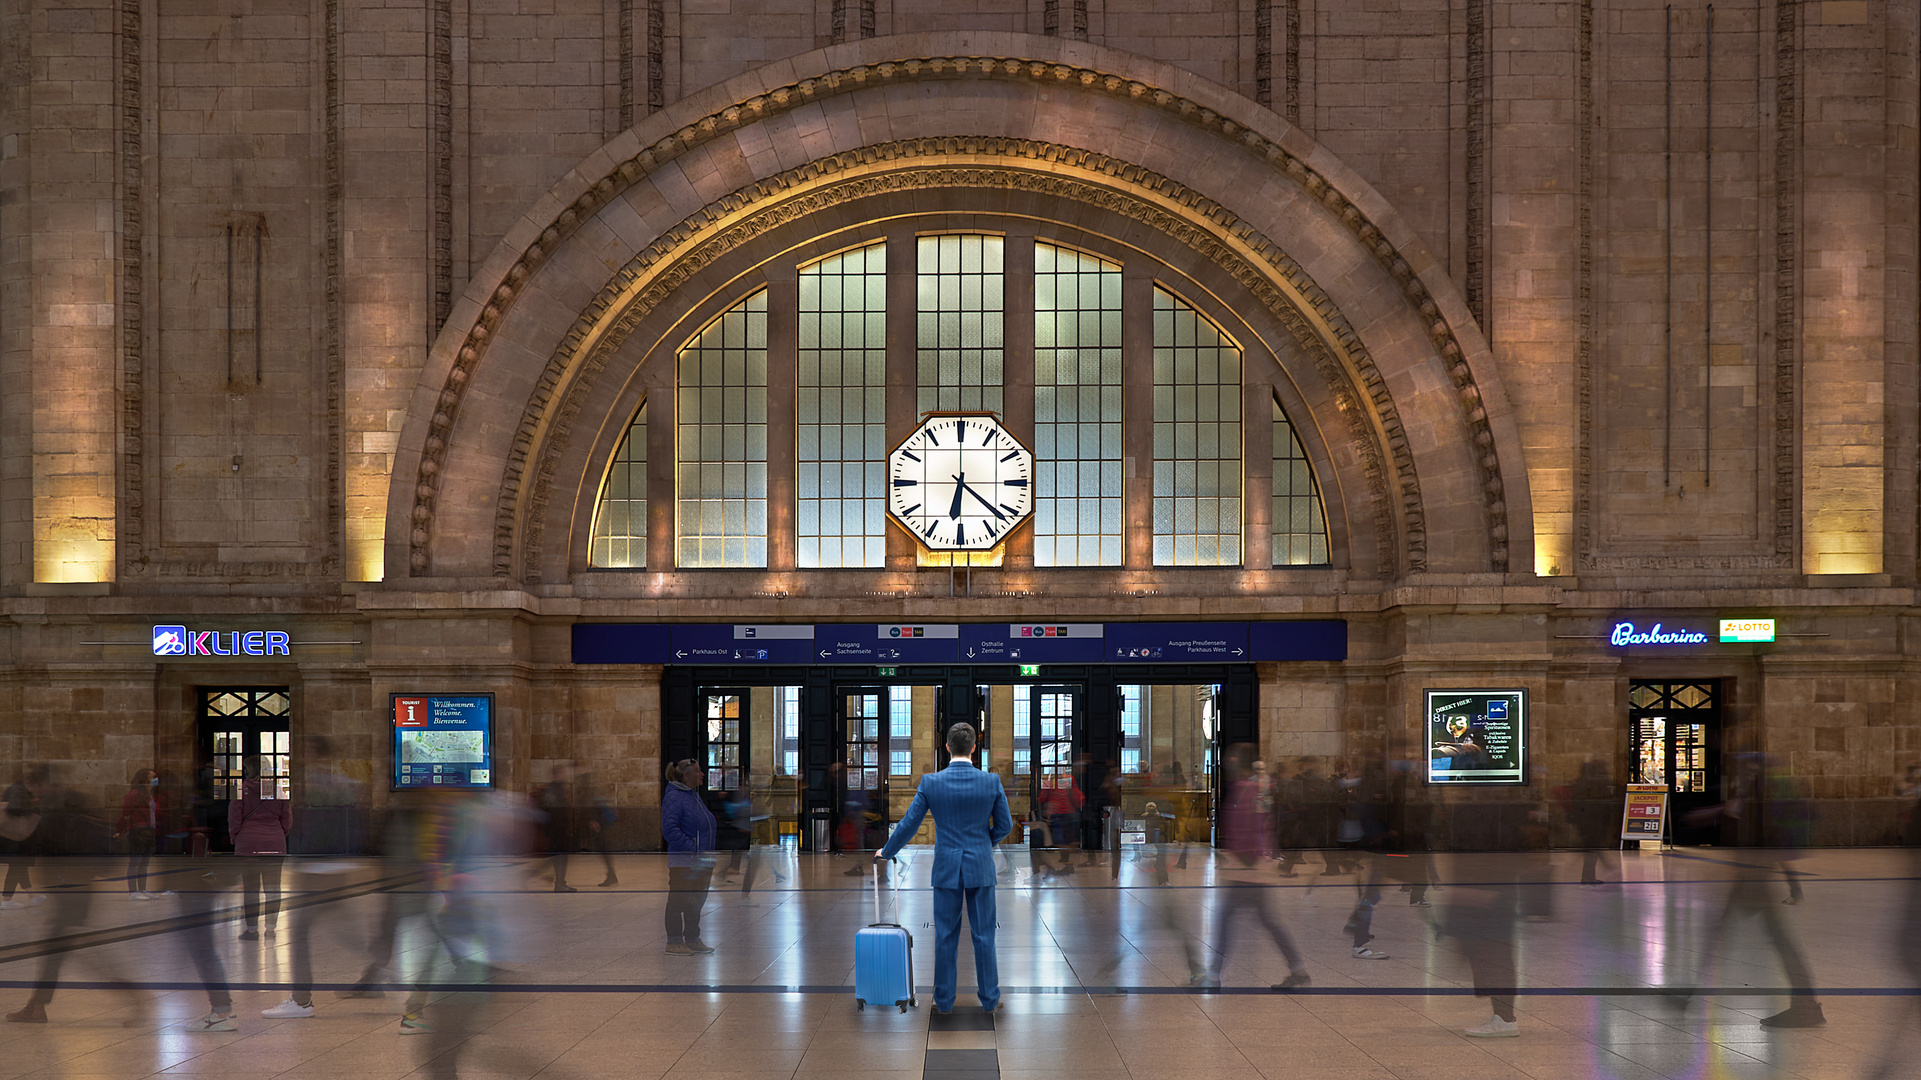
column 991, row 508
column 960, row 485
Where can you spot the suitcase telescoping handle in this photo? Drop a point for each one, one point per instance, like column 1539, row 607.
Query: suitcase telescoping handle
column 878, row 864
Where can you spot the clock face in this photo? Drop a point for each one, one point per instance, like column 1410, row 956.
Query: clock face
column 960, row 482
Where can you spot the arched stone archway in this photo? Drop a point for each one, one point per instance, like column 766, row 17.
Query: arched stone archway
column 1144, row 143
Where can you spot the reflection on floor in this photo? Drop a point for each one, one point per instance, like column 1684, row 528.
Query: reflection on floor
column 1666, row 971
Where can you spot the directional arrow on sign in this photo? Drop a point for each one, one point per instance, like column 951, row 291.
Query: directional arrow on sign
column 823, row 653
column 682, row 654
column 1238, row 652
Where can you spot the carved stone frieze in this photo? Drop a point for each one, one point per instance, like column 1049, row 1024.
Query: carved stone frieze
column 815, row 88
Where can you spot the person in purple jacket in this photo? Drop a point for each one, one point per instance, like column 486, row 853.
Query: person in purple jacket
column 688, row 827
column 259, row 826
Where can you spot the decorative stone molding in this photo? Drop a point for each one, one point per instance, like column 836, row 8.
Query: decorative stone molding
column 651, row 278
column 1478, row 83
column 133, row 398
column 440, row 105
column 785, row 98
column 1787, row 171
column 334, row 339
column 1585, row 327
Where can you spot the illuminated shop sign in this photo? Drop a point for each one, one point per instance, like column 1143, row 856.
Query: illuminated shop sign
column 1729, row 630
column 180, row 641
column 1747, row 629
column 1626, row 633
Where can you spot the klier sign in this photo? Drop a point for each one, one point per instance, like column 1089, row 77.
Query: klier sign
column 180, row 641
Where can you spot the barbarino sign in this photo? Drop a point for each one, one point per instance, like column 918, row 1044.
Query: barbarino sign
column 180, row 641
column 1626, row 633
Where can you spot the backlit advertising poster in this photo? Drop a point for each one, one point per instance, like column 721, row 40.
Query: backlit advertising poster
column 443, row 740
column 1476, row 736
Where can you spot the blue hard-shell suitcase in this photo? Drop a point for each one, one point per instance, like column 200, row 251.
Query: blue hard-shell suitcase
column 884, row 959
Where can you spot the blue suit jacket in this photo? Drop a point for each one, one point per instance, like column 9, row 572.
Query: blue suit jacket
column 970, row 817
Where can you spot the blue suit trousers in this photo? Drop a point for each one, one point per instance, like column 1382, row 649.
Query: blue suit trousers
column 980, row 922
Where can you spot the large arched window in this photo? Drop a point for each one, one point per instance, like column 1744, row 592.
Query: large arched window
column 1184, row 443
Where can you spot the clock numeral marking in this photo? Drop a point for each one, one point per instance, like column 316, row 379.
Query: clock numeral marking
column 1015, row 483
column 1011, row 455
column 960, row 532
column 960, row 431
column 1009, row 509
column 932, row 439
column 910, row 510
column 909, row 454
column 992, row 531
column 906, row 483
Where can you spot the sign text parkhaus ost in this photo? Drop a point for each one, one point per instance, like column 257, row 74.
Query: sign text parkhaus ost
column 1731, row 630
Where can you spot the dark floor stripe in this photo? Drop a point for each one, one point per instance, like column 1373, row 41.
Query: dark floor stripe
column 114, row 935
column 961, row 1064
column 1029, row 991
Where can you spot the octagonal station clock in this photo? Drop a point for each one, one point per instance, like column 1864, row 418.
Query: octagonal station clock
column 960, row 482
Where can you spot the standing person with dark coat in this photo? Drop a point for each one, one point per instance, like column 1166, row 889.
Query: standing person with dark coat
column 141, row 812
column 259, row 826
column 690, row 831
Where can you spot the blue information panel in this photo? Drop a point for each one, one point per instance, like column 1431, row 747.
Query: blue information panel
column 1320, row 639
column 443, row 740
column 742, row 643
column 887, row 643
column 1221, row 642
column 1030, row 643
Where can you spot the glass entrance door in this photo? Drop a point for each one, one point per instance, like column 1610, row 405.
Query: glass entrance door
column 238, row 723
column 1674, row 733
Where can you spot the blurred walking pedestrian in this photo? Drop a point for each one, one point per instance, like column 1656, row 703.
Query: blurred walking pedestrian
column 1244, row 891
column 259, row 822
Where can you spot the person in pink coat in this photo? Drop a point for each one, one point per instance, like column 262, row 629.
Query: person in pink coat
column 259, row 828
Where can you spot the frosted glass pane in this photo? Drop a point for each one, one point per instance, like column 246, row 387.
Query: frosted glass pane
column 849, row 383
column 1299, row 526
column 1077, row 311
column 1197, row 456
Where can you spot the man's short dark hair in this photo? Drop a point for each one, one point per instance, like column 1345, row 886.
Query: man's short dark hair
column 960, row 739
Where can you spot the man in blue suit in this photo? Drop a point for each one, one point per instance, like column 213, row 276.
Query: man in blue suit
column 970, row 817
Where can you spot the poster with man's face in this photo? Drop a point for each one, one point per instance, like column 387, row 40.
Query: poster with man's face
column 1476, row 736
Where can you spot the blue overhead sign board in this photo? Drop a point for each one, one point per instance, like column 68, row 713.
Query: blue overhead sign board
column 1031, row 643
column 1219, row 642
column 887, row 643
column 742, row 643
column 958, row 643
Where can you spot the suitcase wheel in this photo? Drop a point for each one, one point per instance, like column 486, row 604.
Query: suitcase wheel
column 903, row 1008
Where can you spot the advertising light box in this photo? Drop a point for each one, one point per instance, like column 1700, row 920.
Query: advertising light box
column 443, row 740
column 1476, row 736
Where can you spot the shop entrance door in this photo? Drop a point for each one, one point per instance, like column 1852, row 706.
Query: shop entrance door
column 1674, row 738
column 1044, row 738
column 237, row 723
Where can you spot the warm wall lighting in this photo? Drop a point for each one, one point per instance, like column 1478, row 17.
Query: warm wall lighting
column 66, row 561
column 366, row 558
column 1553, row 550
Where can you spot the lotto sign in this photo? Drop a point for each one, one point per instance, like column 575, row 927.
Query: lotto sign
column 1646, row 811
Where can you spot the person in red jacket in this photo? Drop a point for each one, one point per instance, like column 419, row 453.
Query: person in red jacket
column 259, row 825
column 141, row 812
